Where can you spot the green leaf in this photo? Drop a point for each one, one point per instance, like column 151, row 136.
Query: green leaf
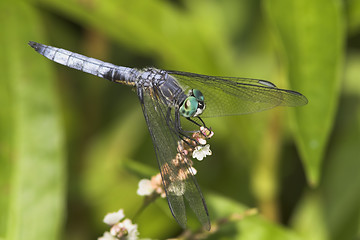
column 353, row 15
column 333, row 211
column 341, row 180
column 312, row 36
column 309, row 218
column 31, row 156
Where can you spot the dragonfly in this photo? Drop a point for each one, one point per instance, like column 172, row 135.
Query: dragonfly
column 167, row 99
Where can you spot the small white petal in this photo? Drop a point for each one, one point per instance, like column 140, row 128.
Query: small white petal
column 107, row 236
column 207, row 149
column 198, row 154
column 202, row 141
column 132, row 229
column 201, row 151
column 144, row 188
column 113, row 218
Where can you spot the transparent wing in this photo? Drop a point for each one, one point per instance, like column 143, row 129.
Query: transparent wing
column 233, row 96
column 178, row 179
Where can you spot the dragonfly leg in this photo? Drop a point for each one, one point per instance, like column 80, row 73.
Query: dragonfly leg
column 176, row 127
column 204, row 125
column 194, row 122
column 199, row 125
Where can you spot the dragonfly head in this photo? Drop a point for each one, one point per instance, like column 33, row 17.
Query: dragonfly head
column 193, row 105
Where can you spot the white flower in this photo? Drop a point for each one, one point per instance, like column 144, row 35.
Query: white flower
column 132, row 229
column 125, row 230
column 107, row 236
column 113, row 218
column 201, row 151
column 145, row 188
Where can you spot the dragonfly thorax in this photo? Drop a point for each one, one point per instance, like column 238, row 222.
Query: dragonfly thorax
column 193, row 105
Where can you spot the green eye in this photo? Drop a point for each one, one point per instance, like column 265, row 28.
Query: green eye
column 189, row 107
column 198, row 95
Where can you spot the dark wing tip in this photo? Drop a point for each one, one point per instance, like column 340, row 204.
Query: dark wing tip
column 34, row 45
column 304, row 99
column 301, row 99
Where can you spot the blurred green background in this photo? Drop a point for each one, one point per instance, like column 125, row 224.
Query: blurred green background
column 73, row 147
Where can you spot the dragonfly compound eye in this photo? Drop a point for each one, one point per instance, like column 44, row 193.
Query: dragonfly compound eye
column 197, row 94
column 189, row 107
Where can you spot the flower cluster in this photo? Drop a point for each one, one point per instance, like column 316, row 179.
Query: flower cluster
column 201, row 151
column 121, row 229
column 196, row 147
column 148, row 187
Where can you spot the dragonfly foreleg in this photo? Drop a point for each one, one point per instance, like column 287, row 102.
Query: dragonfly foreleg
column 204, row 125
column 184, row 134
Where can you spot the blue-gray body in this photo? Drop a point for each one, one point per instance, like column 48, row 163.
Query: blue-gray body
column 146, row 79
